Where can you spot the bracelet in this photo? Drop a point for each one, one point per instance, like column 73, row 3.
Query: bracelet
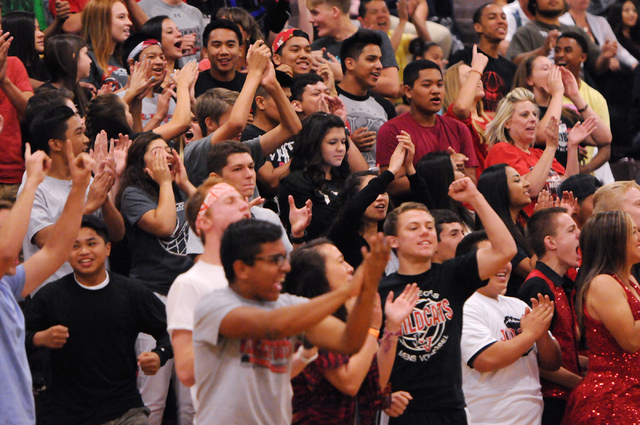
column 305, row 360
column 374, row 332
column 583, row 109
column 475, row 70
column 387, row 333
column 297, row 241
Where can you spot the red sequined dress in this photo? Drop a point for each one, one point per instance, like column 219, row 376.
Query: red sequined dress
column 610, row 392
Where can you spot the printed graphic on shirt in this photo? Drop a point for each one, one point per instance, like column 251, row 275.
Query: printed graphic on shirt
column 494, row 89
column 270, row 354
column 176, row 244
column 424, row 332
column 512, row 330
column 282, row 155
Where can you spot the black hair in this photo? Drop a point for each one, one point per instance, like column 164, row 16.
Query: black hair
column 306, row 155
column 417, row 47
column 470, row 242
column 614, row 16
column 541, row 224
column 578, row 38
column 43, row 98
column 97, row 225
column 301, row 82
column 353, row 46
column 107, row 112
column 218, row 156
column 412, row 70
column 61, row 56
column 493, row 185
column 436, row 170
column 50, row 123
column 220, row 23
column 130, row 44
column 444, row 217
column 22, row 27
column 243, row 241
column 153, row 28
column 308, row 275
column 477, row 15
column 349, row 190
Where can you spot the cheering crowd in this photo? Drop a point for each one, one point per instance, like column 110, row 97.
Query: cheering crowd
column 318, row 212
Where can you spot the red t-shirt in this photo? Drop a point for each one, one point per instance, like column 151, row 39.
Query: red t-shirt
column 523, row 162
column 75, row 6
column 11, row 160
column 445, row 132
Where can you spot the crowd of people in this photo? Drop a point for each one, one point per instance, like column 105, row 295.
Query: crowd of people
column 319, row 212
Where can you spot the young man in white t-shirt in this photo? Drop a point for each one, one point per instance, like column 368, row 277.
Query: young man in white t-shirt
column 503, row 343
column 210, row 210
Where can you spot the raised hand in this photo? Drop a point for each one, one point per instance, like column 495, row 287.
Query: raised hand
column 537, row 320
column 63, row 10
column 544, row 200
column 552, row 133
column 79, row 167
column 99, row 190
column 571, row 89
column 458, row 159
column 568, row 202
column 374, row 262
column 159, row 170
column 396, row 162
column 37, row 164
column 555, row 81
column 399, row 309
column 580, row 131
column 5, row 43
column 141, row 81
column 550, row 41
column 187, row 75
column 300, row 218
column 118, row 150
column 463, row 190
column 365, row 140
column 258, row 57
column 478, row 60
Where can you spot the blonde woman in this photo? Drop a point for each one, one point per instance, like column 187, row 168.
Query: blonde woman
column 105, row 26
column 512, row 133
column 463, row 101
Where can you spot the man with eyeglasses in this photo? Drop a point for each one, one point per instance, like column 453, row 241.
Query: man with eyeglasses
column 244, row 334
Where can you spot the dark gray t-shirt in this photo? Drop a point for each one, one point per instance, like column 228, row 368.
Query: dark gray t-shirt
column 388, row 55
column 155, row 261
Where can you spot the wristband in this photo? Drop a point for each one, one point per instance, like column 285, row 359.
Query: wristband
column 374, row 332
column 586, row 106
column 297, row 241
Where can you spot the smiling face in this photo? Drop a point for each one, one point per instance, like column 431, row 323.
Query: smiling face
column 569, row 54
column 89, row 254
column 366, row 68
column 75, row 134
column 84, row 64
column 427, row 92
column 339, row 272
column 171, row 40
column 493, row 24
column 415, row 236
column 120, row 22
column 296, row 53
column 223, row 51
column 240, row 173
column 522, row 124
column 266, row 276
column 334, row 148
column 324, row 18
column 629, row 14
column 155, row 56
column 518, row 189
column 377, row 211
column 377, row 16
column 39, row 38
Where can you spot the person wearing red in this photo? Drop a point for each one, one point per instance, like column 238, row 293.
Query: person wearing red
column 429, row 132
column 512, row 133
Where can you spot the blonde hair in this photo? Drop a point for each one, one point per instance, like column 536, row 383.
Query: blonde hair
column 496, row 131
column 453, row 84
column 609, row 197
column 96, row 30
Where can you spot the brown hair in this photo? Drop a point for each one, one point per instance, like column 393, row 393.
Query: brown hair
column 391, row 222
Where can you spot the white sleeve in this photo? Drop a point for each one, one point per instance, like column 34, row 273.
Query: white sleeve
column 181, row 305
column 476, row 331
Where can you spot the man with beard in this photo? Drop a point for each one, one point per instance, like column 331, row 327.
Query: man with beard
column 538, row 37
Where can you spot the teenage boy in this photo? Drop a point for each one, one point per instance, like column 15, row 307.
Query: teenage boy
column 222, row 41
column 331, row 19
column 504, row 345
column 244, row 334
column 450, row 233
column 490, row 23
column 366, row 111
column 90, row 320
column 554, row 238
column 51, row 131
column 226, row 121
column 221, row 205
column 429, row 344
column 429, row 131
column 292, row 52
column 16, row 397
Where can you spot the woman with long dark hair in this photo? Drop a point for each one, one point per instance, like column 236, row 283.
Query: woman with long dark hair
column 27, row 44
column 608, row 307
column 67, row 59
column 163, row 29
column 336, row 388
column 623, row 18
column 318, row 171
column 508, row 194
